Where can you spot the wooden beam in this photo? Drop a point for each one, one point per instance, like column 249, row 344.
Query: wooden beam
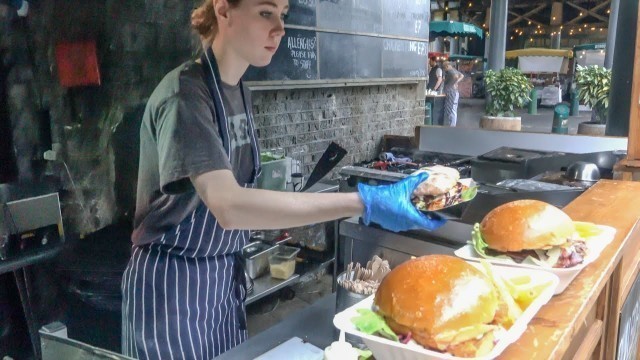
column 525, row 19
column 595, row 15
column 633, row 144
column 589, row 12
column 526, row 16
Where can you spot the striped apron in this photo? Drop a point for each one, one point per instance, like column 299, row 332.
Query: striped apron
column 451, row 107
column 183, row 295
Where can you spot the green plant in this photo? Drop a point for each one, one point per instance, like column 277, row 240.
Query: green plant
column 508, row 90
column 594, row 83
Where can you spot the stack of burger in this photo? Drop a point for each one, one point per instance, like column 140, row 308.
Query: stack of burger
column 529, row 231
column 445, row 304
column 441, row 189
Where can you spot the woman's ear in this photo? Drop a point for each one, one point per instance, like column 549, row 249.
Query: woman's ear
column 221, row 9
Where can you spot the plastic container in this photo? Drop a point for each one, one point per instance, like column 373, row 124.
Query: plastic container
column 282, row 262
column 387, row 349
column 274, row 175
column 595, row 245
column 256, row 258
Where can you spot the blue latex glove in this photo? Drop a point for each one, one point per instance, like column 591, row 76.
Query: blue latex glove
column 390, row 206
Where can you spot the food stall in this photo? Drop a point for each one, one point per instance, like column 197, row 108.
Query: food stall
column 547, row 70
column 589, row 54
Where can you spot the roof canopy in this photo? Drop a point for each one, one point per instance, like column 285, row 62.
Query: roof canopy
column 453, row 28
column 539, row 52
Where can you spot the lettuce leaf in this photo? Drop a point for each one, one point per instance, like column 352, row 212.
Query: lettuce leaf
column 548, row 258
column 371, row 323
column 469, row 193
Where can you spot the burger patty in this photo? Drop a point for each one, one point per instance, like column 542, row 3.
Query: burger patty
column 452, row 197
column 571, row 256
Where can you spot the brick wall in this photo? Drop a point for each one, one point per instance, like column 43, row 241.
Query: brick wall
column 355, row 118
column 138, row 42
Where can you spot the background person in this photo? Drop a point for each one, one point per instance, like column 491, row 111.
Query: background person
column 451, row 79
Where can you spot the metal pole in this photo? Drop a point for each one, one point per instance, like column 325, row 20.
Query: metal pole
column 623, row 60
column 611, row 34
column 498, row 34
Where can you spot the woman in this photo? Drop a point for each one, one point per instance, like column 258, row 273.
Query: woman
column 183, row 289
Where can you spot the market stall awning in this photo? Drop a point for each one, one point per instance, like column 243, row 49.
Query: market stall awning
column 596, row 46
column 512, row 54
column 453, row 28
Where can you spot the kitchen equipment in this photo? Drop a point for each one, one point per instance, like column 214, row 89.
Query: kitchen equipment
column 29, row 226
column 282, row 262
column 330, row 158
column 513, row 163
column 385, row 172
column 274, row 175
column 256, row 258
column 583, row 171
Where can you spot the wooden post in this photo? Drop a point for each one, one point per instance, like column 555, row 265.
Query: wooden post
column 629, row 168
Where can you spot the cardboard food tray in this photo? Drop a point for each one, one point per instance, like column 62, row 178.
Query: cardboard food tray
column 387, row 349
column 595, row 245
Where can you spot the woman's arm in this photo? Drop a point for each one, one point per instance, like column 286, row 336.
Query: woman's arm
column 238, row 208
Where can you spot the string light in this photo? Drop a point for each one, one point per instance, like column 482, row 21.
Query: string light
column 512, row 37
column 608, row 11
column 470, row 4
column 529, row 22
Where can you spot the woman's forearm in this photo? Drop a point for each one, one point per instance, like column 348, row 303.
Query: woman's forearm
column 236, row 207
column 264, row 209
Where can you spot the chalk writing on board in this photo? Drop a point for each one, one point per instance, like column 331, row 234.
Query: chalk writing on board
column 417, row 47
column 303, row 51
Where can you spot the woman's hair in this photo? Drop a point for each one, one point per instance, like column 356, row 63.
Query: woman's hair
column 203, row 19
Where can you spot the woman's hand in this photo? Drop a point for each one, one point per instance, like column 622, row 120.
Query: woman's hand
column 390, row 206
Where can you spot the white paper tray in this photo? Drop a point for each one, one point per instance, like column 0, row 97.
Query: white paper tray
column 384, row 349
column 595, row 245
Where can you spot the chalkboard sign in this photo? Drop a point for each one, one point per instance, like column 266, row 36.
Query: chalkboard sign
column 350, row 15
column 349, row 57
column 404, row 58
column 406, row 18
column 351, row 39
column 295, row 59
column 302, row 12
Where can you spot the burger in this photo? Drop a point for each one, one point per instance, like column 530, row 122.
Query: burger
column 441, row 189
column 529, row 231
column 444, row 304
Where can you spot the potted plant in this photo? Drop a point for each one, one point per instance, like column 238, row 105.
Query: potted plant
column 593, row 84
column 507, row 90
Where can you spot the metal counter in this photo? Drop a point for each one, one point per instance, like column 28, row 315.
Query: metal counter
column 359, row 243
column 313, row 324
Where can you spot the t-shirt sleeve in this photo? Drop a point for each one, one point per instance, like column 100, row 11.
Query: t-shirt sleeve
column 188, row 141
column 438, row 72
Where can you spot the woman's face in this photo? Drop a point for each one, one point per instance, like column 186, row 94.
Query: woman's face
column 255, row 28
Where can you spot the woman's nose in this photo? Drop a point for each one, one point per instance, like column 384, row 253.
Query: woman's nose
column 278, row 30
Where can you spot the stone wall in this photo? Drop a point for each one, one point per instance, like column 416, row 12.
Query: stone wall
column 138, row 41
column 355, row 118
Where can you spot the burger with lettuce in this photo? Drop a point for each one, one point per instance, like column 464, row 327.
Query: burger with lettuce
column 443, row 188
column 530, row 232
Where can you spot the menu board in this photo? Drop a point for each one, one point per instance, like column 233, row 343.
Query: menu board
column 295, row 59
column 351, row 39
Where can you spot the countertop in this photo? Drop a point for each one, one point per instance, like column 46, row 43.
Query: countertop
column 313, row 324
column 550, row 333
